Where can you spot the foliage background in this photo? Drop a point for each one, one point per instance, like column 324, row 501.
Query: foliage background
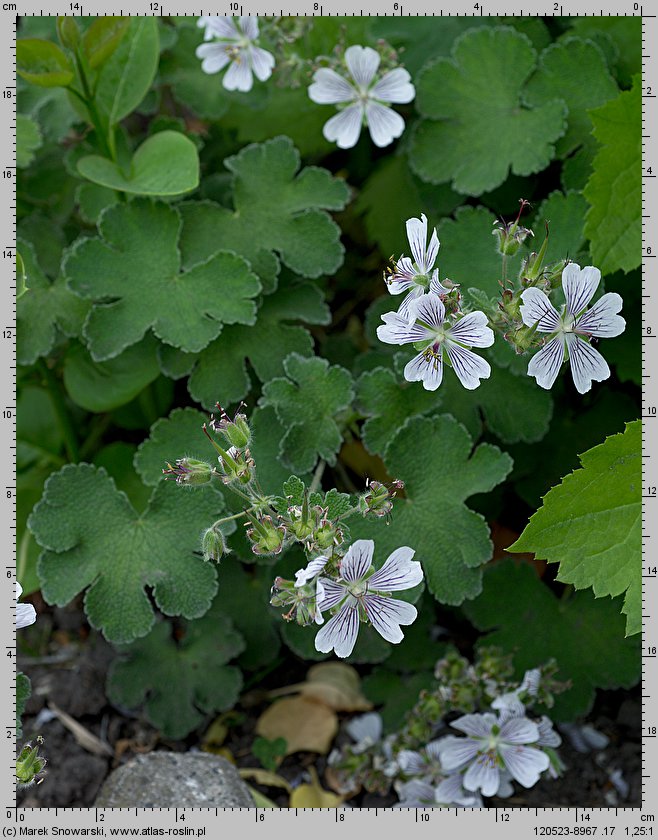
column 547, row 110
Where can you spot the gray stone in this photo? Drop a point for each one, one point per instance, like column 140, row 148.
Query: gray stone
column 175, row 780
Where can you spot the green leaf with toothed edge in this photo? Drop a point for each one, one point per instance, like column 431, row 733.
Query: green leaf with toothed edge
column 93, row 540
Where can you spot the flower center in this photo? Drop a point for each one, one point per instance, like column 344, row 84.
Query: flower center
column 567, row 321
column 358, row 589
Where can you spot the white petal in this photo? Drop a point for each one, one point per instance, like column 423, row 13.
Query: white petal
column 579, row 286
column 215, row 57
column 475, row 725
column 417, row 236
column 434, row 749
column 411, row 763
column 366, row 727
column 537, row 309
column 432, row 252
column 238, row 76
column 473, row 330
column 407, row 309
column 19, row 590
column 394, row 86
column 524, row 763
column 548, row 737
column 362, row 62
column 384, row 124
column 519, row 730
column 451, row 792
column 340, row 633
column 531, row 681
column 332, row 593
column 398, row 330
column 436, row 287
column 399, row 572
column 545, row 365
column 415, row 794
column 387, row 614
column 431, row 311
column 484, row 775
column 587, row 364
column 262, row 63
column 426, row 368
column 602, row 320
column 469, row 367
column 221, row 27
column 456, row 752
column 509, row 702
column 329, row 88
column 345, row 127
column 357, row 561
column 249, row 26
column 25, row 615
column 314, row 568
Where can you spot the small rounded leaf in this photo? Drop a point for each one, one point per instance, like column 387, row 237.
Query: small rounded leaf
column 43, row 63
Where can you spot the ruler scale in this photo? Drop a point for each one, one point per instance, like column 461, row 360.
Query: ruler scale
column 322, row 823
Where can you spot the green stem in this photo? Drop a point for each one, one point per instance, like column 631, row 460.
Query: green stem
column 63, row 417
column 235, row 516
column 317, row 476
column 95, row 435
column 105, row 140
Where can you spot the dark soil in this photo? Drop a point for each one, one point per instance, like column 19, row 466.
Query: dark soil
column 71, row 678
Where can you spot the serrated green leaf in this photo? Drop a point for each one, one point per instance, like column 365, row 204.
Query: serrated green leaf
column 43, row 63
column 28, row 140
column 166, row 163
column 584, row 635
column 48, row 309
column 293, row 490
column 174, row 363
column 195, row 665
column 453, row 142
column 306, row 403
column 591, row 524
column 126, row 77
column 181, row 70
column 102, row 38
column 388, row 400
column 435, row 459
column 117, row 459
column 620, row 38
column 510, row 406
column 336, row 503
column 23, row 691
column 575, row 71
column 136, row 263
column 277, row 209
column 614, row 190
column 103, row 386
column 94, row 540
column 565, row 215
column 177, row 436
column 264, row 346
column 92, row 199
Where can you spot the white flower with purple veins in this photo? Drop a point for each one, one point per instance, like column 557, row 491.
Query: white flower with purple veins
column 493, row 745
column 25, row 613
column 432, row 335
column 363, row 595
column 418, row 275
column 571, row 329
column 234, row 43
column 362, row 99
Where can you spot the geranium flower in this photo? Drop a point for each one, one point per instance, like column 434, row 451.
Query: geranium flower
column 416, row 276
column 25, row 613
column 364, row 596
column 571, row 329
column 234, row 43
column 365, row 99
column 493, row 745
column 431, row 332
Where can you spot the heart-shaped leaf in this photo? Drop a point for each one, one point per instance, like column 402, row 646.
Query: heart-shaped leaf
column 165, row 164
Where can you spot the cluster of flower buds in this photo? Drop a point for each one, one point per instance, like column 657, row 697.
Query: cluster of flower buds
column 302, row 602
column 30, row 766
column 378, row 498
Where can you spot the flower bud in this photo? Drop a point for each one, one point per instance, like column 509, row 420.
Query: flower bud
column 30, row 765
column 326, row 534
column 236, row 431
column 510, row 237
column 378, row 499
column 213, row 544
column 302, row 600
column 189, row 471
column 265, row 536
column 68, row 32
